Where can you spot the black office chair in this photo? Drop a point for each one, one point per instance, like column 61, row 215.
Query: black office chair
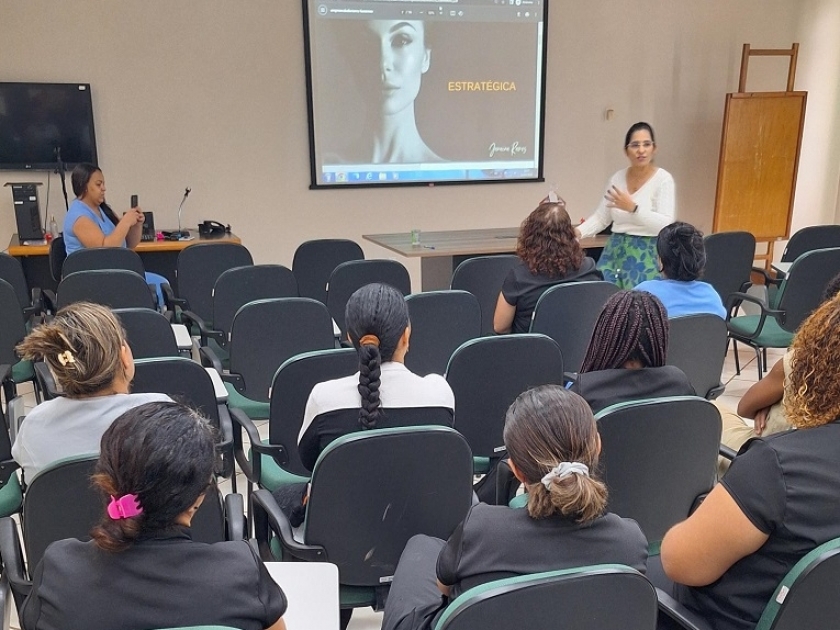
column 598, row 597
column 697, row 345
column 371, row 491
column 149, row 334
column 234, row 289
column 810, row 238
column 486, row 376
column 12, row 332
column 60, row 503
column 799, row 294
column 567, row 313
column 729, row 261
column 30, row 299
column 197, row 269
column 805, row 598
column 92, row 258
column 658, row 458
column 440, row 322
column 187, row 382
column 352, row 275
column 483, row 277
column 264, row 334
column 290, row 389
column 315, row 261
column 56, row 256
column 115, row 288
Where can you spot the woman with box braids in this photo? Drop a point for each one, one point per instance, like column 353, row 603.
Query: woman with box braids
column 626, row 355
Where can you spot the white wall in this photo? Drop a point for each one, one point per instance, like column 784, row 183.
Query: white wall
column 211, row 94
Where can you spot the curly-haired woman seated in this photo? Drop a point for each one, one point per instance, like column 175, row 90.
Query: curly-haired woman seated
column 777, row 502
column 549, row 255
column 142, row 570
column 553, row 443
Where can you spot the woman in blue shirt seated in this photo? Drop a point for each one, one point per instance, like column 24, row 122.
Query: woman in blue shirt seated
column 682, row 258
column 90, row 222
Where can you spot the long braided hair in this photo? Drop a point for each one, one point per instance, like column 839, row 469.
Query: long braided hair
column 632, row 326
column 376, row 316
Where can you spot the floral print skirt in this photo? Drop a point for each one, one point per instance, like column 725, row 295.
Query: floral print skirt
column 628, row 260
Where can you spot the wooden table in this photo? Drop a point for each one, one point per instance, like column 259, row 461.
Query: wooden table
column 441, row 252
column 158, row 256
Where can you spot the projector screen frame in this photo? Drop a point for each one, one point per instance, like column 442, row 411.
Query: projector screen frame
column 539, row 101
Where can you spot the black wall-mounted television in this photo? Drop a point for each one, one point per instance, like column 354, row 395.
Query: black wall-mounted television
column 39, row 120
column 426, row 93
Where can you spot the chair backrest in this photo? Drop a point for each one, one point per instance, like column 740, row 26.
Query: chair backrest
column 486, row 376
column 12, row 272
column 267, row 332
column 179, row 378
column 115, row 288
column 92, row 258
column 199, row 266
column 440, row 322
column 290, row 389
column 373, row 490
column 729, row 261
column 12, row 324
column 354, row 274
column 802, row 290
column 808, row 593
column 598, row 597
column 57, row 255
column 315, row 261
column 657, row 457
column 236, row 287
column 60, row 502
column 149, row 334
column 567, row 313
column 810, row 238
column 697, row 345
column 483, row 277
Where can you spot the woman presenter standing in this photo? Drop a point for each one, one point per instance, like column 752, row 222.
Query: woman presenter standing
column 639, row 202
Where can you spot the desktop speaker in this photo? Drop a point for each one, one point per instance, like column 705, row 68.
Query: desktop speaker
column 27, row 212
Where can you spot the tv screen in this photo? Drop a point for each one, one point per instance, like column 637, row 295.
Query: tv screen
column 407, row 92
column 37, row 120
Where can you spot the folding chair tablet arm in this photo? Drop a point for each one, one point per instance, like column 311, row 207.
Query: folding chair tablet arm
column 252, row 467
column 270, row 520
column 734, row 300
column 189, row 319
column 675, row 616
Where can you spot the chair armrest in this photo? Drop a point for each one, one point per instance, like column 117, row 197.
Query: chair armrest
column 677, row 615
column 46, row 380
column 734, row 300
column 235, row 516
column 768, row 279
column 225, row 444
column 171, row 300
column 726, row 452
column 188, row 318
column 12, row 555
column 269, row 519
column 210, row 358
column 5, row 370
column 49, row 300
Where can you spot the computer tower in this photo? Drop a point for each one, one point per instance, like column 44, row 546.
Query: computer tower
column 27, row 212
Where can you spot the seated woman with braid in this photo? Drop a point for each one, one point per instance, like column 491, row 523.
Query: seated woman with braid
column 378, row 327
column 626, row 356
column 554, row 447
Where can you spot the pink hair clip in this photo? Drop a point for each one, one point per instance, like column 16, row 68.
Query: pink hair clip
column 127, row 506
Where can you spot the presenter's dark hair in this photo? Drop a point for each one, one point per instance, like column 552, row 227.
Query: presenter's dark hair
column 632, row 326
column 380, row 311
column 547, row 243
column 682, row 252
column 79, row 179
column 639, row 126
column 162, row 452
column 548, row 425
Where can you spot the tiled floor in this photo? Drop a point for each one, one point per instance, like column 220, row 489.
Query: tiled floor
column 736, row 385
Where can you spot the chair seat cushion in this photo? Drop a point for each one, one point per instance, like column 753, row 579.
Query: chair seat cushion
column 254, row 409
column 771, row 336
column 11, row 497
column 23, row 371
column 272, row 476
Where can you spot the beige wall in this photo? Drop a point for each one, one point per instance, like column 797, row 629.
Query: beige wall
column 211, row 94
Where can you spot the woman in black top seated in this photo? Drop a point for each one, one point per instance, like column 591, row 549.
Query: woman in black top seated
column 553, row 443
column 549, row 255
column 142, row 570
column 626, row 355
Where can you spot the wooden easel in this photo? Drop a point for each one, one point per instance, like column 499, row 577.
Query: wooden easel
column 759, row 157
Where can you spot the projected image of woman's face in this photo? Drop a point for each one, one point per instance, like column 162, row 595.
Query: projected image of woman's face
column 403, row 58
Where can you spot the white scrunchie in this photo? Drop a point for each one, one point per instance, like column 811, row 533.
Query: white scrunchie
column 563, row 470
